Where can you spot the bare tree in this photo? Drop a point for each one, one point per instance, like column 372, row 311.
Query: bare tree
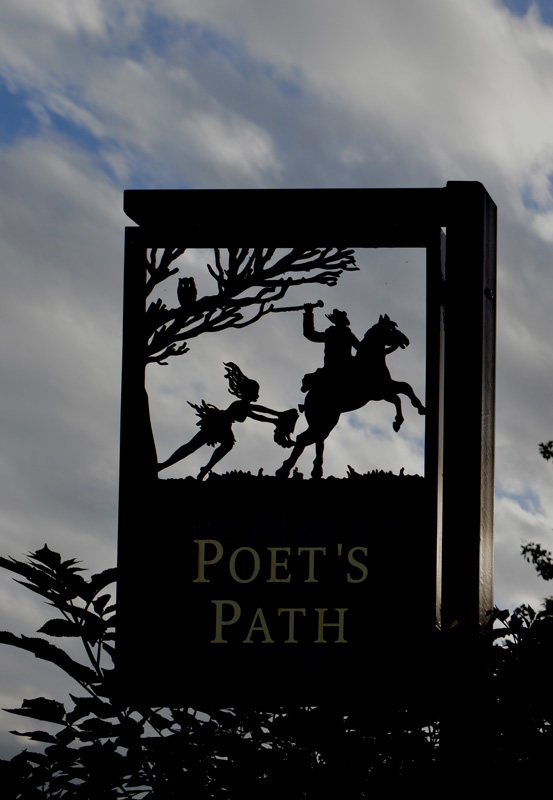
column 248, row 282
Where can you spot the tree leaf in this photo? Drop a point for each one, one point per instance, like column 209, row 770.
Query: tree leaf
column 11, row 564
column 49, row 652
column 61, row 627
column 84, row 706
column 40, row 708
column 102, row 579
column 37, row 736
column 57, row 589
column 95, row 728
column 47, row 556
column 93, row 628
column 66, row 736
column 99, row 603
column 69, row 565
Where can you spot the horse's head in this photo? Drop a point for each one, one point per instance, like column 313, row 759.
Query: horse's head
column 385, row 334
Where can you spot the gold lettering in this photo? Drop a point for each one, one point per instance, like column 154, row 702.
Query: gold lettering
column 340, row 625
column 275, row 564
column 202, row 561
column 355, row 563
column 261, row 627
column 256, row 565
column 219, row 621
column 291, row 622
column 312, row 550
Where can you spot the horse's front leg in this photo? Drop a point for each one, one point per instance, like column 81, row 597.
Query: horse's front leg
column 400, row 387
column 394, row 399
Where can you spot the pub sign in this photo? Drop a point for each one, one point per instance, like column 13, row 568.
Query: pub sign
column 267, row 580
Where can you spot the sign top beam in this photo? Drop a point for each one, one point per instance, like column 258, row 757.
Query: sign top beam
column 373, row 217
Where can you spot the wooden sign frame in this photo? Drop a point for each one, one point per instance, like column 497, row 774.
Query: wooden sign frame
column 456, row 225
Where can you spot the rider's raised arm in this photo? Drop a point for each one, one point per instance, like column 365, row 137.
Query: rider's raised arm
column 309, row 326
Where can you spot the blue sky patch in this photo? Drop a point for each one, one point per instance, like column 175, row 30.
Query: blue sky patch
column 19, row 120
column 72, row 130
column 206, row 41
column 521, row 7
column 16, row 118
column 163, row 35
column 528, row 200
column 527, row 500
column 353, row 422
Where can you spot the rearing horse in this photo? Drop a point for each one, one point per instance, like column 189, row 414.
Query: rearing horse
column 366, row 377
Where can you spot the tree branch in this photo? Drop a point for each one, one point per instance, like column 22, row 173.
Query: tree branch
column 162, row 272
column 248, row 279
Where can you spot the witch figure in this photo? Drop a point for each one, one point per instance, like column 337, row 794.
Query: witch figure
column 216, row 424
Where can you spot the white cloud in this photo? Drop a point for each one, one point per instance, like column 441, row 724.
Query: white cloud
column 248, row 93
column 232, row 145
column 462, row 84
column 61, row 303
column 71, row 18
column 38, row 40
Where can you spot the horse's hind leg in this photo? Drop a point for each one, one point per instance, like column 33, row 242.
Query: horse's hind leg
column 302, row 441
column 317, row 471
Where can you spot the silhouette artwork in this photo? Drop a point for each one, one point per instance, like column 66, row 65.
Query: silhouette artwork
column 347, row 382
column 339, row 340
column 249, row 284
column 186, row 292
column 216, row 424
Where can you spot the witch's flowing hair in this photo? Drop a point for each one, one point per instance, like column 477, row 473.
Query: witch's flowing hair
column 239, row 385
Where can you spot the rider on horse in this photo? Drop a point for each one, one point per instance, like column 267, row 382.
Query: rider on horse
column 338, row 340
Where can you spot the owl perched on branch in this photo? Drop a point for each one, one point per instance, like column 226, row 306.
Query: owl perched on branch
column 186, row 292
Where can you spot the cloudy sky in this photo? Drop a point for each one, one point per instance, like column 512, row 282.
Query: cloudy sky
column 99, row 96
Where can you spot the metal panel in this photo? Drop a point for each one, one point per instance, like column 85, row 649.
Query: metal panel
column 459, row 437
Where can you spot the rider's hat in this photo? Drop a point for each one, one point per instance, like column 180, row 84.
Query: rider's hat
column 338, row 316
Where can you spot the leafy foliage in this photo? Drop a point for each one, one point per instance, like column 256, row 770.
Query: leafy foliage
column 104, row 750
column 540, row 558
column 521, row 696
column 546, row 450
